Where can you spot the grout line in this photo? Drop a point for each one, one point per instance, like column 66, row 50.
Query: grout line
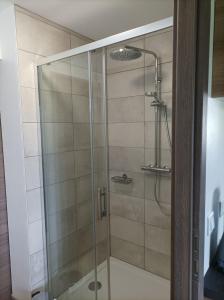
column 148, row 66
column 138, row 95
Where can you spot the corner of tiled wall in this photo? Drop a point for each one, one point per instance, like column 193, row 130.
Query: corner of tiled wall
column 36, row 38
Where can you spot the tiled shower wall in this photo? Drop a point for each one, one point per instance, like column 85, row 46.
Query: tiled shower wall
column 140, row 232
column 36, row 38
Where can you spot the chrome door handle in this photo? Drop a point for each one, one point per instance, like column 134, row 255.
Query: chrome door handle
column 101, row 203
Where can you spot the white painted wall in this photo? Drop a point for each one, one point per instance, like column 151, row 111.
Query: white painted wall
column 13, row 152
column 214, row 162
column 214, row 174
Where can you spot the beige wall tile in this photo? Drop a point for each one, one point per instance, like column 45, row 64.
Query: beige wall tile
column 56, row 107
column 162, row 45
column 126, row 135
column 39, row 37
column 158, row 263
column 158, row 239
column 30, row 109
column 60, row 196
column 166, row 74
column 56, row 76
column 123, row 158
column 62, row 253
column 126, row 110
column 77, row 41
column 80, row 79
column 59, row 167
column 149, row 134
column 84, row 238
column 65, row 278
column 57, row 137
column 61, row 224
column 98, row 111
column 127, row 230
column 82, row 163
column 100, row 165
column 127, row 207
column 128, row 252
column 156, row 216
column 135, row 189
column 86, row 263
column 125, row 84
column 80, row 64
column 114, row 66
column 83, row 188
column 101, row 252
column 81, row 136
column 80, row 109
column 99, row 135
column 31, row 138
column 149, row 156
column 84, row 214
column 101, row 230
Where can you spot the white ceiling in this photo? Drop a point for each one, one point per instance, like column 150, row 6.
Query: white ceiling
column 97, row 19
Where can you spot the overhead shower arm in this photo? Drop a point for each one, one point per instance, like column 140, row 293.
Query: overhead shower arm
column 157, row 79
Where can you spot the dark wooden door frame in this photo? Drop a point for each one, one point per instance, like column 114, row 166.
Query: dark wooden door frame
column 190, row 84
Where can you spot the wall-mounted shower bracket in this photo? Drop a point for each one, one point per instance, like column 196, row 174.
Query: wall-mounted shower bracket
column 151, row 94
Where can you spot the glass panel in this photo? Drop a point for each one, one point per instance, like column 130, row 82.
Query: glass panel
column 100, row 167
column 66, row 151
column 139, row 80
column 75, row 148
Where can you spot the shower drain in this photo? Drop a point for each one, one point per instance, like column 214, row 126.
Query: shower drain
column 94, row 285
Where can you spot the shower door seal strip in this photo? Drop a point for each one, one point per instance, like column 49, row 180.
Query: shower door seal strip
column 126, row 35
column 91, row 120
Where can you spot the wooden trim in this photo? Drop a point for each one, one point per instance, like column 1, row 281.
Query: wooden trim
column 218, row 51
column 188, row 157
column 200, row 131
column 183, row 136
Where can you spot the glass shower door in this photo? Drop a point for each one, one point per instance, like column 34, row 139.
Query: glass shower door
column 99, row 138
column 73, row 136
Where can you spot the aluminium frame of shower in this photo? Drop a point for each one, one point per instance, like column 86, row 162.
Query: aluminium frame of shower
column 108, row 41
column 90, row 48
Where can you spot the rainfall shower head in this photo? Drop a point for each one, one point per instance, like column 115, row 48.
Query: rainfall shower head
column 125, row 54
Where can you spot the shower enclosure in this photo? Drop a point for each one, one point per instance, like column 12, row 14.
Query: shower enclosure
column 105, row 115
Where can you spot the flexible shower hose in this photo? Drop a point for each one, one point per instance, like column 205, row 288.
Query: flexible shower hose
column 156, row 181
